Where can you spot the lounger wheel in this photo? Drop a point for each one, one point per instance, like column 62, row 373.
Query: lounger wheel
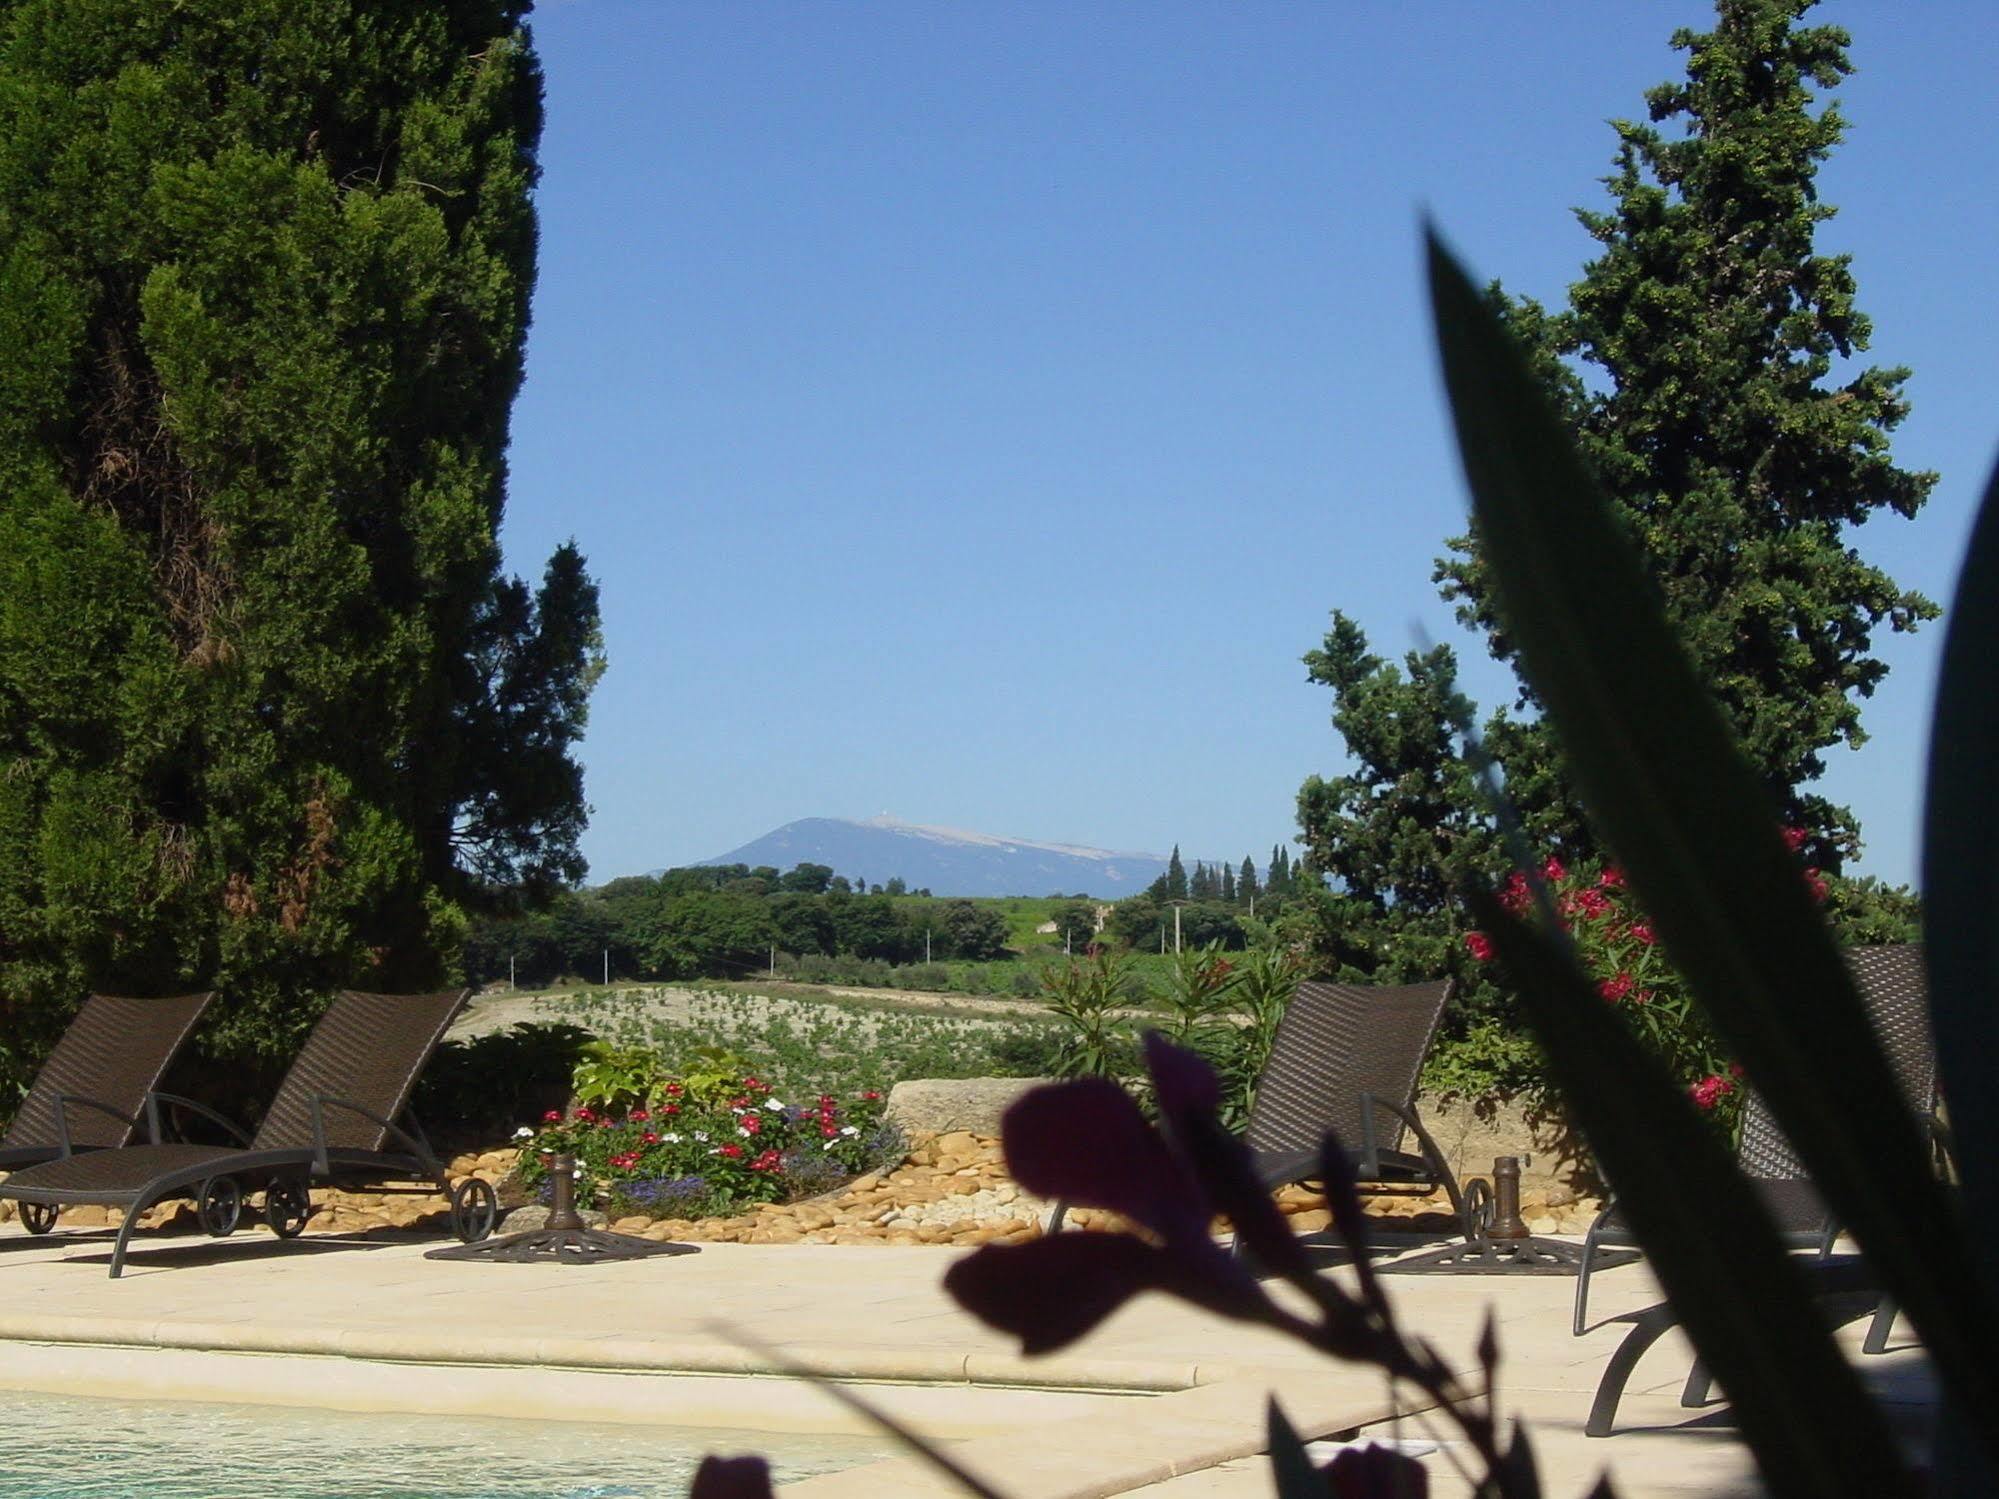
column 475, row 1208
column 287, row 1204
column 38, row 1217
column 1477, row 1214
column 220, row 1206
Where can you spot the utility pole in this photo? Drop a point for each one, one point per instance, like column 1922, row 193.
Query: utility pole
column 926, row 944
column 510, row 973
column 1176, row 905
column 773, row 960
column 607, row 968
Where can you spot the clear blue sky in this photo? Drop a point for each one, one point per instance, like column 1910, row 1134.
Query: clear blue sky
column 973, row 412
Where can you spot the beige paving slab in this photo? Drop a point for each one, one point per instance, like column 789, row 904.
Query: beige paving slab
column 1180, row 1395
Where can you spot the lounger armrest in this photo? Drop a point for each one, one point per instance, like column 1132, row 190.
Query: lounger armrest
column 64, row 1100
column 321, row 1102
column 155, row 1099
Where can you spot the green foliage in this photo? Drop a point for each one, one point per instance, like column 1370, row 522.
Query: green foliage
column 1708, row 326
column 477, row 1090
column 1711, row 325
column 1086, row 995
column 269, row 714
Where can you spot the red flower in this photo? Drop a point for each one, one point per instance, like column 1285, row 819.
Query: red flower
column 739, row 1103
column 607, row 1124
column 553, row 1116
column 1479, row 946
column 1514, row 895
column 1795, row 838
column 751, row 1124
column 1552, row 871
column 830, row 1131
column 1710, row 1090
column 826, row 1100
column 1641, row 996
column 1641, row 931
column 671, row 1108
column 650, row 1138
column 1614, row 989
column 731, row 1151
column 871, row 1096
column 638, row 1116
column 1815, row 882
column 585, row 1115
column 674, row 1090
column 1594, row 904
column 1612, row 877
column 770, row 1160
column 753, row 1086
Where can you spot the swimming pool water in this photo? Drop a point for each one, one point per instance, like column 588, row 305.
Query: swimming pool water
column 63, row 1447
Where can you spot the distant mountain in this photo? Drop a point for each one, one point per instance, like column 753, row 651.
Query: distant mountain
column 946, row 861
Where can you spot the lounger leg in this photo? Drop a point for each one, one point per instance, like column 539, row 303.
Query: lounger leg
column 1646, row 1329
column 1582, row 1282
column 1883, row 1323
column 125, row 1237
column 1699, row 1385
column 1055, row 1216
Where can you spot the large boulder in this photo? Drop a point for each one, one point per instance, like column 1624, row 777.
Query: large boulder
column 938, row 1105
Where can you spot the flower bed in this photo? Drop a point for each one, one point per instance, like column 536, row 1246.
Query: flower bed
column 701, row 1149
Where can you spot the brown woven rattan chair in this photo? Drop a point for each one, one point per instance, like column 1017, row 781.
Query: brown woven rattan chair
column 92, row 1088
column 1346, row 1058
column 339, row 1109
column 1893, row 986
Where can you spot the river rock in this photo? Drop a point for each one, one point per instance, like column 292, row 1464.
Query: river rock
column 534, row 1215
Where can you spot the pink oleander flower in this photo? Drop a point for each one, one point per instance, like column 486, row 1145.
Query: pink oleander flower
column 1710, row 1091
column 1612, row 877
column 1641, row 931
column 1553, row 871
column 1795, row 838
column 1479, row 946
column 1614, row 989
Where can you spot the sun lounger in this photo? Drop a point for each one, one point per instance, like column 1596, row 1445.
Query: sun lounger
column 92, row 1088
column 339, row 1109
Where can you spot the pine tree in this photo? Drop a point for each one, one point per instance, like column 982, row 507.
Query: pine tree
column 1712, row 323
column 1176, row 876
column 1246, row 886
column 269, row 713
column 1227, row 892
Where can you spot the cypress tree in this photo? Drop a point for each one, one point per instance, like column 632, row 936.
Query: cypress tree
column 1246, row 886
column 270, row 715
column 1713, row 421
column 1228, row 884
column 1176, row 876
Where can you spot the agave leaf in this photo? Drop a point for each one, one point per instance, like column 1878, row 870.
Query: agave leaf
column 1961, row 878
column 1695, row 831
column 1292, row 1471
column 1961, row 929
column 1800, row 1406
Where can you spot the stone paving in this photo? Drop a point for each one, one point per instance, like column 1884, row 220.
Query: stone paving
column 1162, row 1401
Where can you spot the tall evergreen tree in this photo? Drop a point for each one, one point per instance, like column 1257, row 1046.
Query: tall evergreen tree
column 1713, row 420
column 1176, row 876
column 1228, row 892
column 1246, row 887
column 269, row 712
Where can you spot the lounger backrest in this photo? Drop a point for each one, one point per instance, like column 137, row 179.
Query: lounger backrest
column 1336, row 1043
column 115, row 1052
column 1893, row 986
column 368, row 1049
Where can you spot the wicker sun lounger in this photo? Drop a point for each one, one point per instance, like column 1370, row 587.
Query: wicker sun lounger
column 1346, row 1058
column 1892, row 983
column 92, row 1089
column 335, row 1115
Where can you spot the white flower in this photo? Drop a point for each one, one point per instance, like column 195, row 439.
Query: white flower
column 671, row 1139
column 773, row 1105
column 525, row 1132
column 745, row 1133
column 829, row 1144
column 701, row 1135
column 849, row 1129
